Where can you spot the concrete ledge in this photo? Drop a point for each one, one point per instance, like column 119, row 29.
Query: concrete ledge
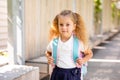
column 3, row 61
column 40, row 62
column 100, row 38
column 41, row 59
column 19, row 72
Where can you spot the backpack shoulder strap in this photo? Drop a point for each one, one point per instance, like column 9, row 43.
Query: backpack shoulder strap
column 75, row 48
column 75, row 52
column 55, row 44
column 76, row 55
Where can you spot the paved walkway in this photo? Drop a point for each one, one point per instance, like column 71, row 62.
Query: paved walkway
column 105, row 64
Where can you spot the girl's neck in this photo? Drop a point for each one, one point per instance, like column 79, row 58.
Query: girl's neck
column 64, row 39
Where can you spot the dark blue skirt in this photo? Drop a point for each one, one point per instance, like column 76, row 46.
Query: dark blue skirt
column 66, row 74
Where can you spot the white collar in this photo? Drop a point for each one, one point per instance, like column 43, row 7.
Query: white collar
column 66, row 42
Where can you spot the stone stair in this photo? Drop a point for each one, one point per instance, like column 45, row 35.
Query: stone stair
column 44, row 68
column 44, row 76
column 19, row 72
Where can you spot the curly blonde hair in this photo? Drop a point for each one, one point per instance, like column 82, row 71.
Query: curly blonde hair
column 80, row 32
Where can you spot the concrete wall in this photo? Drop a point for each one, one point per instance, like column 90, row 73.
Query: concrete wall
column 106, row 16
column 15, row 32
column 37, row 19
column 3, row 25
column 40, row 13
column 86, row 10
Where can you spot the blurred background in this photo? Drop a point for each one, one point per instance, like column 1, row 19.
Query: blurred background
column 24, row 25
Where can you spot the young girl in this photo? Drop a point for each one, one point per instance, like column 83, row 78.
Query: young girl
column 67, row 26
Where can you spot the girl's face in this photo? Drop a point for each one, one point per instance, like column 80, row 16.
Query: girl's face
column 66, row 26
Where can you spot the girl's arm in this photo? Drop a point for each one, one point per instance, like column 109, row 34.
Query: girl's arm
column 87, row 55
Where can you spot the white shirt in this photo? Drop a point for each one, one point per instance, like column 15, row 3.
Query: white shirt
column 65, row 52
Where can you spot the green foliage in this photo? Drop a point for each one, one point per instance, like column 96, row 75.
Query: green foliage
column 97, row 10
column 113, row 7
column 3, row 54
column 118, row 13
column 115, row 11
column 97, row 4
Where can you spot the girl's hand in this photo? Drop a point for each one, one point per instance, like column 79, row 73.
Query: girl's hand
column 49, row 58
column 80, row 61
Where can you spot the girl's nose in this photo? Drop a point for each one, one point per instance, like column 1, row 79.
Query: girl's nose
column 64, row 26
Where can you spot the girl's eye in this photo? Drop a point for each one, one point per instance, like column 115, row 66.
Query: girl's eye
column 61, row 24
column 67, row 24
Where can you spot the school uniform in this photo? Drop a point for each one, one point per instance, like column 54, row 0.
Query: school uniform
column 65, row 67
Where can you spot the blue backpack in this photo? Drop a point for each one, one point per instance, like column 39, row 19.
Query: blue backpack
column 75, row 53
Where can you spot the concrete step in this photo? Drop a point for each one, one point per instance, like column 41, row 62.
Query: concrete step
column 40, row 62
column 101, row 38
column 3, row 60
column 44, row 76
column 19, row 72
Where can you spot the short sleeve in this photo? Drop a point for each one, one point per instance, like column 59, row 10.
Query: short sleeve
column 49, row 47
column 81, row 46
